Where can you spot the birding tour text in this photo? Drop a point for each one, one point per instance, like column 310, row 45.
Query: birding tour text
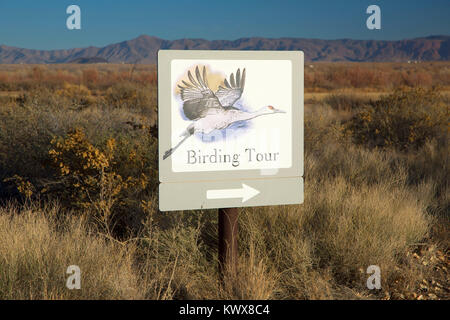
column 234, row 159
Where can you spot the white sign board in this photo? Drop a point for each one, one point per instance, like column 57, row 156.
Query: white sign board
column 226, row 120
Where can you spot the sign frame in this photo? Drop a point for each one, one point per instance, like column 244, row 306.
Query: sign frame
column 165, row 57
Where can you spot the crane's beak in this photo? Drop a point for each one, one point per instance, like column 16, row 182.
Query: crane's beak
column 278, row 111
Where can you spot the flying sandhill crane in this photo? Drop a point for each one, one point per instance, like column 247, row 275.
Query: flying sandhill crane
column 211, row 111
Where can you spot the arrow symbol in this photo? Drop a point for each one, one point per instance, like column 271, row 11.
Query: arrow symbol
column 246, row 193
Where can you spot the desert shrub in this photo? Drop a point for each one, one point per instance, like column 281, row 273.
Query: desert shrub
column 346, row 101
column 88, row 177
column 38, row 98
column 417, row 78
column 5, row 82
column 383, row 76
column 76, row 96
column 404, row 119
column 26, row 131
column 90, row 77
column 360, row 77
column 24, row 187
column 37, row 73
column 130, row 95
column 69, row 96
column 25, row 134
column 430, row 163
column 322, row 124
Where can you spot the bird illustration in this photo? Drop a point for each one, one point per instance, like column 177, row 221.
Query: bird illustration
column 211, row 111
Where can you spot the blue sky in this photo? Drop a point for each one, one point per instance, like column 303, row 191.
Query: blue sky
column 42, row 24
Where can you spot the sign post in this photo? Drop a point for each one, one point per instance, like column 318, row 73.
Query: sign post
column 228, row 241
column 230, row 134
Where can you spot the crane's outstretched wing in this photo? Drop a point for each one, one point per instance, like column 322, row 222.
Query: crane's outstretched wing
column 197, row 97
column 231, row 93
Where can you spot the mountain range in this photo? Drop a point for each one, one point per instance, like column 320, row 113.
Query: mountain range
column 143, row 49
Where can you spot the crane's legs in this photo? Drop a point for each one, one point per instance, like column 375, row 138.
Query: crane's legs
column 189, row 132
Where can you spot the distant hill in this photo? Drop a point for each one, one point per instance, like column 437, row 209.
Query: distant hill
column 144, row 49
column 89, row 60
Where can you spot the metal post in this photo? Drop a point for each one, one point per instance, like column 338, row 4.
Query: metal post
column 228, row 244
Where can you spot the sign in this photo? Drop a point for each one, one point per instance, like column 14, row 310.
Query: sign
column 230, row 128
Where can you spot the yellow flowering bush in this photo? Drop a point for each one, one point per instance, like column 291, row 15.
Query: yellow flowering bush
column 24, row 186
column 88, row 175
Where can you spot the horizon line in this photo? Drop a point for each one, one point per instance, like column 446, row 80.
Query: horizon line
column 211, row 40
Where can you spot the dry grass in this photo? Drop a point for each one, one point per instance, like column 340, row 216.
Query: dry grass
column 363, row 206
column 37, row 246
column 372, row 77
column 314, row 251
column 319, row 77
